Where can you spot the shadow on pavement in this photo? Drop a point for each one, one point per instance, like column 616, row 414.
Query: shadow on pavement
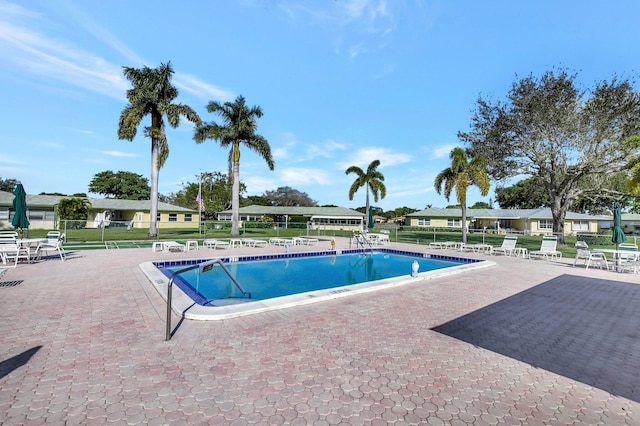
column 583, row 328
column 15, row 362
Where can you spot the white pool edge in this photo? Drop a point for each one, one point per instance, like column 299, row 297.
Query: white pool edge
column 185, row 307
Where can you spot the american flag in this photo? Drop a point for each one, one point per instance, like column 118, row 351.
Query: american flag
column 200, row 203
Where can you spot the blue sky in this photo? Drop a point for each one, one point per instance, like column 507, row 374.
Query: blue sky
column 340, row 82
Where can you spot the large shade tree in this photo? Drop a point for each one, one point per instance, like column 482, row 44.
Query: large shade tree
column 459, row 176
column 214, row 189
column 153, row 94
column 238, row 127
column 563, row 135
column 287, row 196
column 372, row 180
column 121, row 185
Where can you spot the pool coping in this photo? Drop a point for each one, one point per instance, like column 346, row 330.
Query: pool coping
column 185, row 307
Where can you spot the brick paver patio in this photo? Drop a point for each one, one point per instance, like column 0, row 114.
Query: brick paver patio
column 522, row 342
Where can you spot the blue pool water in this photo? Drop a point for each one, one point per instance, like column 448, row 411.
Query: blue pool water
column 266, row 279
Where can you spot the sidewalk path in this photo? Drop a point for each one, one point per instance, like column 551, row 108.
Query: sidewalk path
column 523, row 342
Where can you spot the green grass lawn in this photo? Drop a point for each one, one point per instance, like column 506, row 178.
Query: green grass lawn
column 114, row 238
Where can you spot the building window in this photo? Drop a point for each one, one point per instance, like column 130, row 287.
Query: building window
column 545, row 224
column 173, row 217
column 188, row 217
column 158, row 217
column 453, row 222
column 424, row 221
column 579, row 225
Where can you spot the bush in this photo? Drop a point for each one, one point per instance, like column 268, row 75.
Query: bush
column 595, row 239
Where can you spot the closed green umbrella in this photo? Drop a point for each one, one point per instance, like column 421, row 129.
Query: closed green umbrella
column 20, row 219
column 618, row 236
column 370, row 222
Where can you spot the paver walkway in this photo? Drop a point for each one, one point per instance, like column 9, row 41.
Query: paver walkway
column 523, row 342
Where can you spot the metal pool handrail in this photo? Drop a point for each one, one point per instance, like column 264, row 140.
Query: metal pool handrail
column 206, row 267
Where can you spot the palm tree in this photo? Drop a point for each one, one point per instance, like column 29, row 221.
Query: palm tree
column 239, row 127
column 371, row 180
column 460, row 175
column 152, row 94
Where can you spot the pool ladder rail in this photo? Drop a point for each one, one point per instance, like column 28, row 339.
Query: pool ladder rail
column 362, row 241
column 204, row 267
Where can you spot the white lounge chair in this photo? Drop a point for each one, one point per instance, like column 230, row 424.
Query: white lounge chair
column 508, row 246
column 250, row 242
column 282, row 241
column 214, row 244
column 548, row 249
column 306, row 241
column 172, row 246
column 583, row 252
column 442, row 244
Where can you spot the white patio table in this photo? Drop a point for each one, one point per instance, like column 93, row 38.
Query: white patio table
column 617, row 254
column 29, row 243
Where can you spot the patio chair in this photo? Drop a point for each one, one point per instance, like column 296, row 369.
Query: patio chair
column 507, row 247
column 10, row 249
column 547, row 249
column 628, row 257
column 51, row 245
column 53, row 235
column 583, row 252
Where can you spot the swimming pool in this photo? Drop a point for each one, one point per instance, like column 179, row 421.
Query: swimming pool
column 282, row 280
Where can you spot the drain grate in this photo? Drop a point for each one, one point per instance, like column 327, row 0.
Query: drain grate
column 10, row 283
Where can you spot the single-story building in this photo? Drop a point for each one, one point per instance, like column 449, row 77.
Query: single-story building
column 630, row 223
column 107, row 212
column 324, row 218
column 527, row 221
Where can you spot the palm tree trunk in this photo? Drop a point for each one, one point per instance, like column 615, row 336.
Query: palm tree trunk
column 464, row 223
column 153, row 212
column 366, row 213
column 235, row 193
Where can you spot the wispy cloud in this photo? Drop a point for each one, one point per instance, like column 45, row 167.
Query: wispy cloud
column 442, row 151
column 99, row 32
column 118, row 154
column 363, row 157
column 4, row 158
column 324, row 149
column 305, row 176
column 35, row 53
column 358, row 24
column 25, row 44
column 52, row 145
column 202, row 90
column 259, row 184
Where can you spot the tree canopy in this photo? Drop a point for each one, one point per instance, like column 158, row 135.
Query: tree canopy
column 8, row 185
column 287, row 196
column 551, row 129
column 121, row 185
column 75, row 210
column 216, row 194
column 528, row 193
